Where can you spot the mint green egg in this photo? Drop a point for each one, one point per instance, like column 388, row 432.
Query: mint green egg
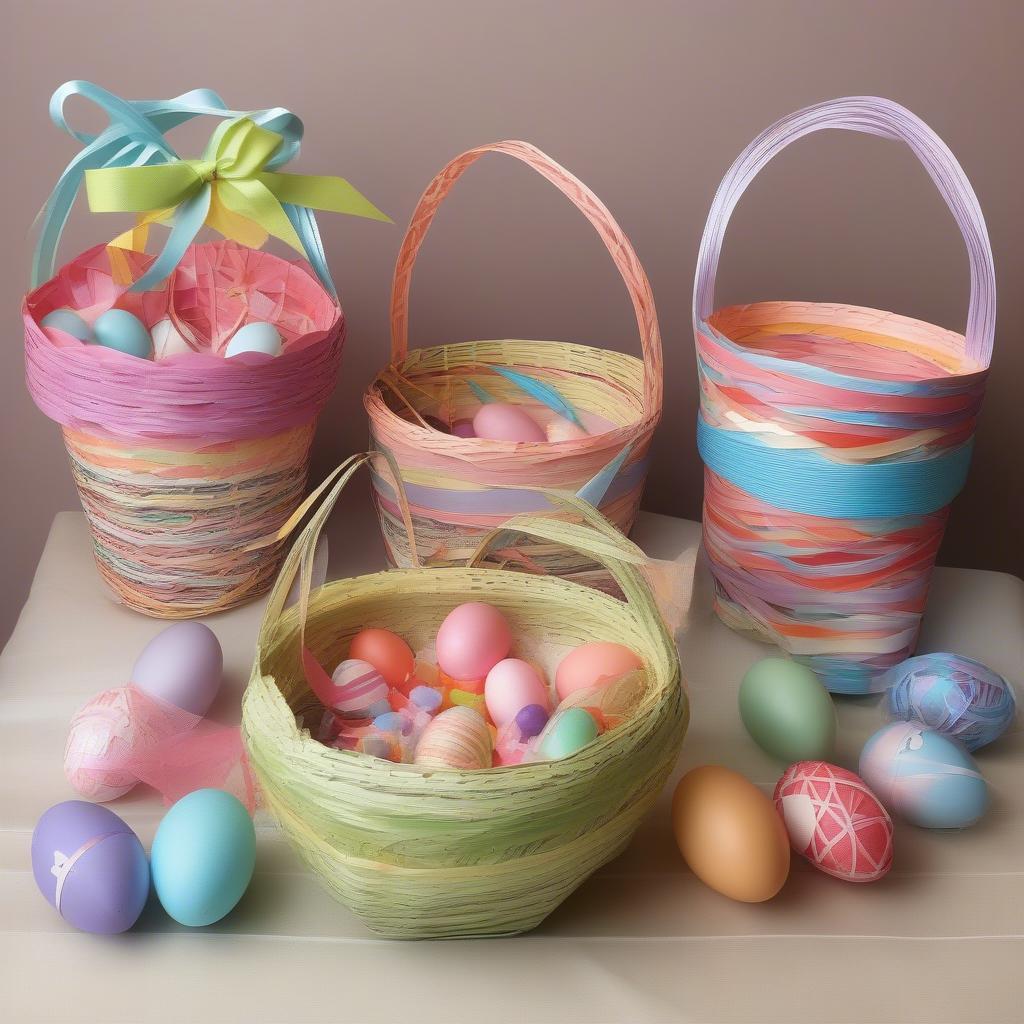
column 787, row 711
column 570, row 730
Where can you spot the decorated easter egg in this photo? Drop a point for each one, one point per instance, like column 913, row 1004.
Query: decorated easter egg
column 835, row 821
column 182, row 665
column 360, row 691
column 203, row 857
column 473, row 638
column 457, row 738
column 924, row 777
column 102, row 737
column 502, row 421
column 568, row 731
column 318, row 575
column 511, row 685
column 730, row 834
column 561, row 429
column 387, row 652
column 463, row 428
column 787, row 710
column 91, row 867
column 953, row 695
column 168, row 340
column 124, row 331
column 257, row 336
column 594, row 664
column 68, row 321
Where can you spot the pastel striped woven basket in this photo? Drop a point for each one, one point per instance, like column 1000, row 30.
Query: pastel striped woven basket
column 182, row 463
column 430, row 853
column 459, row 488
column 835, row 437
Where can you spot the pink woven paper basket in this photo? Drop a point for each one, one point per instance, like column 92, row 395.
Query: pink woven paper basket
column 460, row 488
column 835, row 437
column 182, row 463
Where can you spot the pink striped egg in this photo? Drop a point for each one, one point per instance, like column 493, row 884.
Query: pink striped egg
column 360, row 691
column 457, row 738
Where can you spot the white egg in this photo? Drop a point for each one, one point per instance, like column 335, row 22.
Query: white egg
column 168, row 340
column 258, row 336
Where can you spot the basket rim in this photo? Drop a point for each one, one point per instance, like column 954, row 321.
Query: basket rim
column 972, row 373
column 379, row 411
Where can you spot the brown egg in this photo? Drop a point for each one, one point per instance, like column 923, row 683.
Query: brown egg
column 730, row 834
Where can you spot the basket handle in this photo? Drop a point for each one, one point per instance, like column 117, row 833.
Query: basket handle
column 586, row 202
column 299, row 561
column 872, row 116
column 649, row 585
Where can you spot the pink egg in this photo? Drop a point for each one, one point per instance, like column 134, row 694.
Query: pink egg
column 472, row 640
column 511, row 685
column 561, row 429
column 594, row 664
column 502, row 421
column 105, row 734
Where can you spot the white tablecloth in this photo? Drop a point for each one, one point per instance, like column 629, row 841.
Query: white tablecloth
column 940, row 939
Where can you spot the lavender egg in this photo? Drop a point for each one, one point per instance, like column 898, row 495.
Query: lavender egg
column 183, row 665
column 90, row 866
column 953, row 695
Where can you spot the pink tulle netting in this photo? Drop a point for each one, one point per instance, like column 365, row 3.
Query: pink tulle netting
column 216, row 288
column 175, row 752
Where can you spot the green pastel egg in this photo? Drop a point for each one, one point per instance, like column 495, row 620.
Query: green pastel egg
column 787, row 711
column 569, row 731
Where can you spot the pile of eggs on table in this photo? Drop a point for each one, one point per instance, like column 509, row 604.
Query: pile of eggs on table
column 918, row 766
column 87, row 862
column 478, row 707
column 123, row 331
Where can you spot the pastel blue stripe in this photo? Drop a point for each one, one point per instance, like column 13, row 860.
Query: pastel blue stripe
column 802, row 481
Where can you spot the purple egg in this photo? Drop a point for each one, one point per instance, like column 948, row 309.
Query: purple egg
column 463, row 428
column 183, row 666
column 531, row 720
column 91, row 867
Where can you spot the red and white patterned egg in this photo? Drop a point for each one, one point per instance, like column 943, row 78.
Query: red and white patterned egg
column 835, row 821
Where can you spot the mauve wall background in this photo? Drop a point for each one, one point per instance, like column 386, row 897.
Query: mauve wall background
column 647, row 102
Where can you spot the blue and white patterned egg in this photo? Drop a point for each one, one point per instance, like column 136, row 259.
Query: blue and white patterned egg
column 924, row 777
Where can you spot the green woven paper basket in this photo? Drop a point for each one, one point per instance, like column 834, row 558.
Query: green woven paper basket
column 427, row 853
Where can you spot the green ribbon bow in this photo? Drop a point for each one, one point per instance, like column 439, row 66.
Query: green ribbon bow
column 228, row 189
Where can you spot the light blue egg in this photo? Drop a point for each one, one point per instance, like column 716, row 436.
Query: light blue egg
column 121, row 330
column 68, row 321
column 924, row 777
column 258, row 336
column 203, row 857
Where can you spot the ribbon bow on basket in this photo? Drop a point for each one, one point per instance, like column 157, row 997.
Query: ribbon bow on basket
column 236, row 187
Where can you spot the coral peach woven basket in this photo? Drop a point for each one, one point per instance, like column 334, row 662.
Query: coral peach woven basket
column 461, row 487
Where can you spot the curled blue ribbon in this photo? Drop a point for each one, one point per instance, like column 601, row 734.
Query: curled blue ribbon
column 135, row 137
